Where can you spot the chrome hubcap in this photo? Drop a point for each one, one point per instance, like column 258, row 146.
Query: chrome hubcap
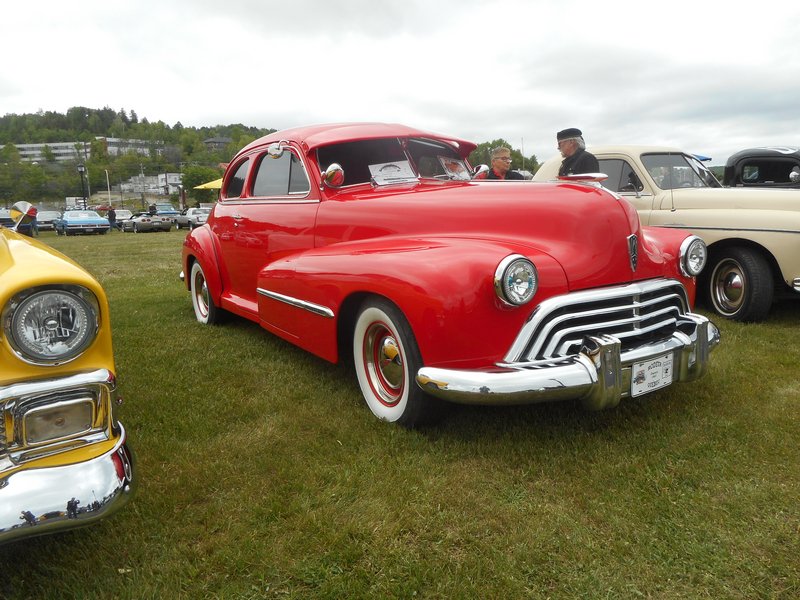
column 384, row 364
column 728, row 286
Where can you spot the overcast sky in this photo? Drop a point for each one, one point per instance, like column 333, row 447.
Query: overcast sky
column 708, row 77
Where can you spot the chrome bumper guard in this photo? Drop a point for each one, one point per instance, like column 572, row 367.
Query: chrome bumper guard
column 599, row 375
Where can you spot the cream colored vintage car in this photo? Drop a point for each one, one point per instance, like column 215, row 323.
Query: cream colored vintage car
column 64, row 458
column 753, row 235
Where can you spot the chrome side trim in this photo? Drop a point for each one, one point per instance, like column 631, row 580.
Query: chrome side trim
column 749, row 229
column 796, row 284
column 317, row 309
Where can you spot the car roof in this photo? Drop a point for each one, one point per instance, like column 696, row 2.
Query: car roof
column 314, row 136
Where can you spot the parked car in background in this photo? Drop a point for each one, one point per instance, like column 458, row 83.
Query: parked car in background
column 776, row 166
column 5, row 218
column 61, row 445
column 165, row 209
column 141, row 222
column 444, row 288
column 81, row 221
column 191, row 218
column 123, row 214
column 753, row 235
column 46, row 219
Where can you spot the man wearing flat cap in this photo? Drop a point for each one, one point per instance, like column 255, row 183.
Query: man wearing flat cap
column 576, row 159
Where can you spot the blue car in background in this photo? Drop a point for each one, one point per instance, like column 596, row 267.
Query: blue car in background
column 73, row 222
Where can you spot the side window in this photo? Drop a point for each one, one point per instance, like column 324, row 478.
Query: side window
column 298, row 180
column 613, row 168
column 236, row 183
column 280, row 176
column 621, row 176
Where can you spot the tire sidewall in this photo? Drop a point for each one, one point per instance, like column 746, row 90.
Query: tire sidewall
column 382, row 314
column 204, row 315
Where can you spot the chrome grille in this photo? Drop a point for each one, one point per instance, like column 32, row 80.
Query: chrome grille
column 635, row 314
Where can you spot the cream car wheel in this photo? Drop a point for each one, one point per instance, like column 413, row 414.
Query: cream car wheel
column 740, row 285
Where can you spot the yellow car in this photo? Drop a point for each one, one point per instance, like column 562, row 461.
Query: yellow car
column 64, row 458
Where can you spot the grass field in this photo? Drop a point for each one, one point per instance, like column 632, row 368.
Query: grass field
column 263, row 475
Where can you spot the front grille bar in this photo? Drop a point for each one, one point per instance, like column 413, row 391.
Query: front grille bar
column 628, row 312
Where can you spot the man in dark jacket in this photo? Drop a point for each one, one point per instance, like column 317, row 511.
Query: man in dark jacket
column 501, row 165
column 576, row 159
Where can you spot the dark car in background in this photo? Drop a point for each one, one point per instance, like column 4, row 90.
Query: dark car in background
column 774, row 166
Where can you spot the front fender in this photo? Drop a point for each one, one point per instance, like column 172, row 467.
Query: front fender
column 444, row 287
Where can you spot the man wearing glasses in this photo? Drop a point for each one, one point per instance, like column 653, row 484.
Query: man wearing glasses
column 501, row 165
column 576, row 159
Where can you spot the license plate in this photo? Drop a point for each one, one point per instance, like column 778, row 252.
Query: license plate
column 650, row 375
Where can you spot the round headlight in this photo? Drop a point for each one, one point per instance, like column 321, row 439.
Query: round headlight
column 50, row 326
column 693, row 256
column 515, row 280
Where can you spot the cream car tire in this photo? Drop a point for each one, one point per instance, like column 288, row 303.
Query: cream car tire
column 205, row 310
column 739, row 284
column 387, row 358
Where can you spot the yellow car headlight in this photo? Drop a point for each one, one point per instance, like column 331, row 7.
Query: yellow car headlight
column 52, row 325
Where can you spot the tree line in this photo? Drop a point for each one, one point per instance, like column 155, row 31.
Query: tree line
column 172, row 149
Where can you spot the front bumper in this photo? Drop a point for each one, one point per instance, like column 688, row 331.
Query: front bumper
column 103, row 485
column 599, row 375
column 36, row 494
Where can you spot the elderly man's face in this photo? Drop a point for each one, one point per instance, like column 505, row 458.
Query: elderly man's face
column 567, row 147
column 502, row 163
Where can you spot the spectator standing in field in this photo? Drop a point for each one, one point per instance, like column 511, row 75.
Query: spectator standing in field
column 112, row 218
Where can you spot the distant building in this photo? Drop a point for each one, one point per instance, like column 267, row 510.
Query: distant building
column 217, row 143
column 162, row 184
column 117, row 146
column 61, row 151
column 81, row 151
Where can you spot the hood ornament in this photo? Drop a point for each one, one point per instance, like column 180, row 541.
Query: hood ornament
column 633, row 250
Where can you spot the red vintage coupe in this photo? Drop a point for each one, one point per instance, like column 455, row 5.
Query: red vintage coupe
column 373, row 240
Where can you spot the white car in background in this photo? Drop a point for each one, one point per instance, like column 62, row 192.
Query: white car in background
column 752, row 234
column 191, row 218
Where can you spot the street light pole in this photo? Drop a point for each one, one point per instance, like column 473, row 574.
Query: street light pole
column 82, row 172
column 108, row 185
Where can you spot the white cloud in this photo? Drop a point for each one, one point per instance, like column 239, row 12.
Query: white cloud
column 707, row 77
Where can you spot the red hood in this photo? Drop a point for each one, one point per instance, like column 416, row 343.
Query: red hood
column 584, row 228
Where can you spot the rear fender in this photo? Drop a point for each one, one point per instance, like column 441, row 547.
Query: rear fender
column 200, row 246
column 444, row 287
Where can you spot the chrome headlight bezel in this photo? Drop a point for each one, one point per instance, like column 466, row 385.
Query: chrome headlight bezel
column 77, row 327
column 693, row 256
column 516, row 280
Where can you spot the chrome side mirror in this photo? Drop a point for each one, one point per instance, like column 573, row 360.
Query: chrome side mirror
column 333, row 176
column 480, row 172
column 276, row 149
column 794, row 175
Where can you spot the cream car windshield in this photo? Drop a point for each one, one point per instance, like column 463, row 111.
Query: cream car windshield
column 674, row 170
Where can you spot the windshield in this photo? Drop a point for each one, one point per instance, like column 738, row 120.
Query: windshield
column 672, row 171
column 392, row 160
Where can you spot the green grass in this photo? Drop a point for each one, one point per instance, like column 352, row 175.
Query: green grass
column 263, row 474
